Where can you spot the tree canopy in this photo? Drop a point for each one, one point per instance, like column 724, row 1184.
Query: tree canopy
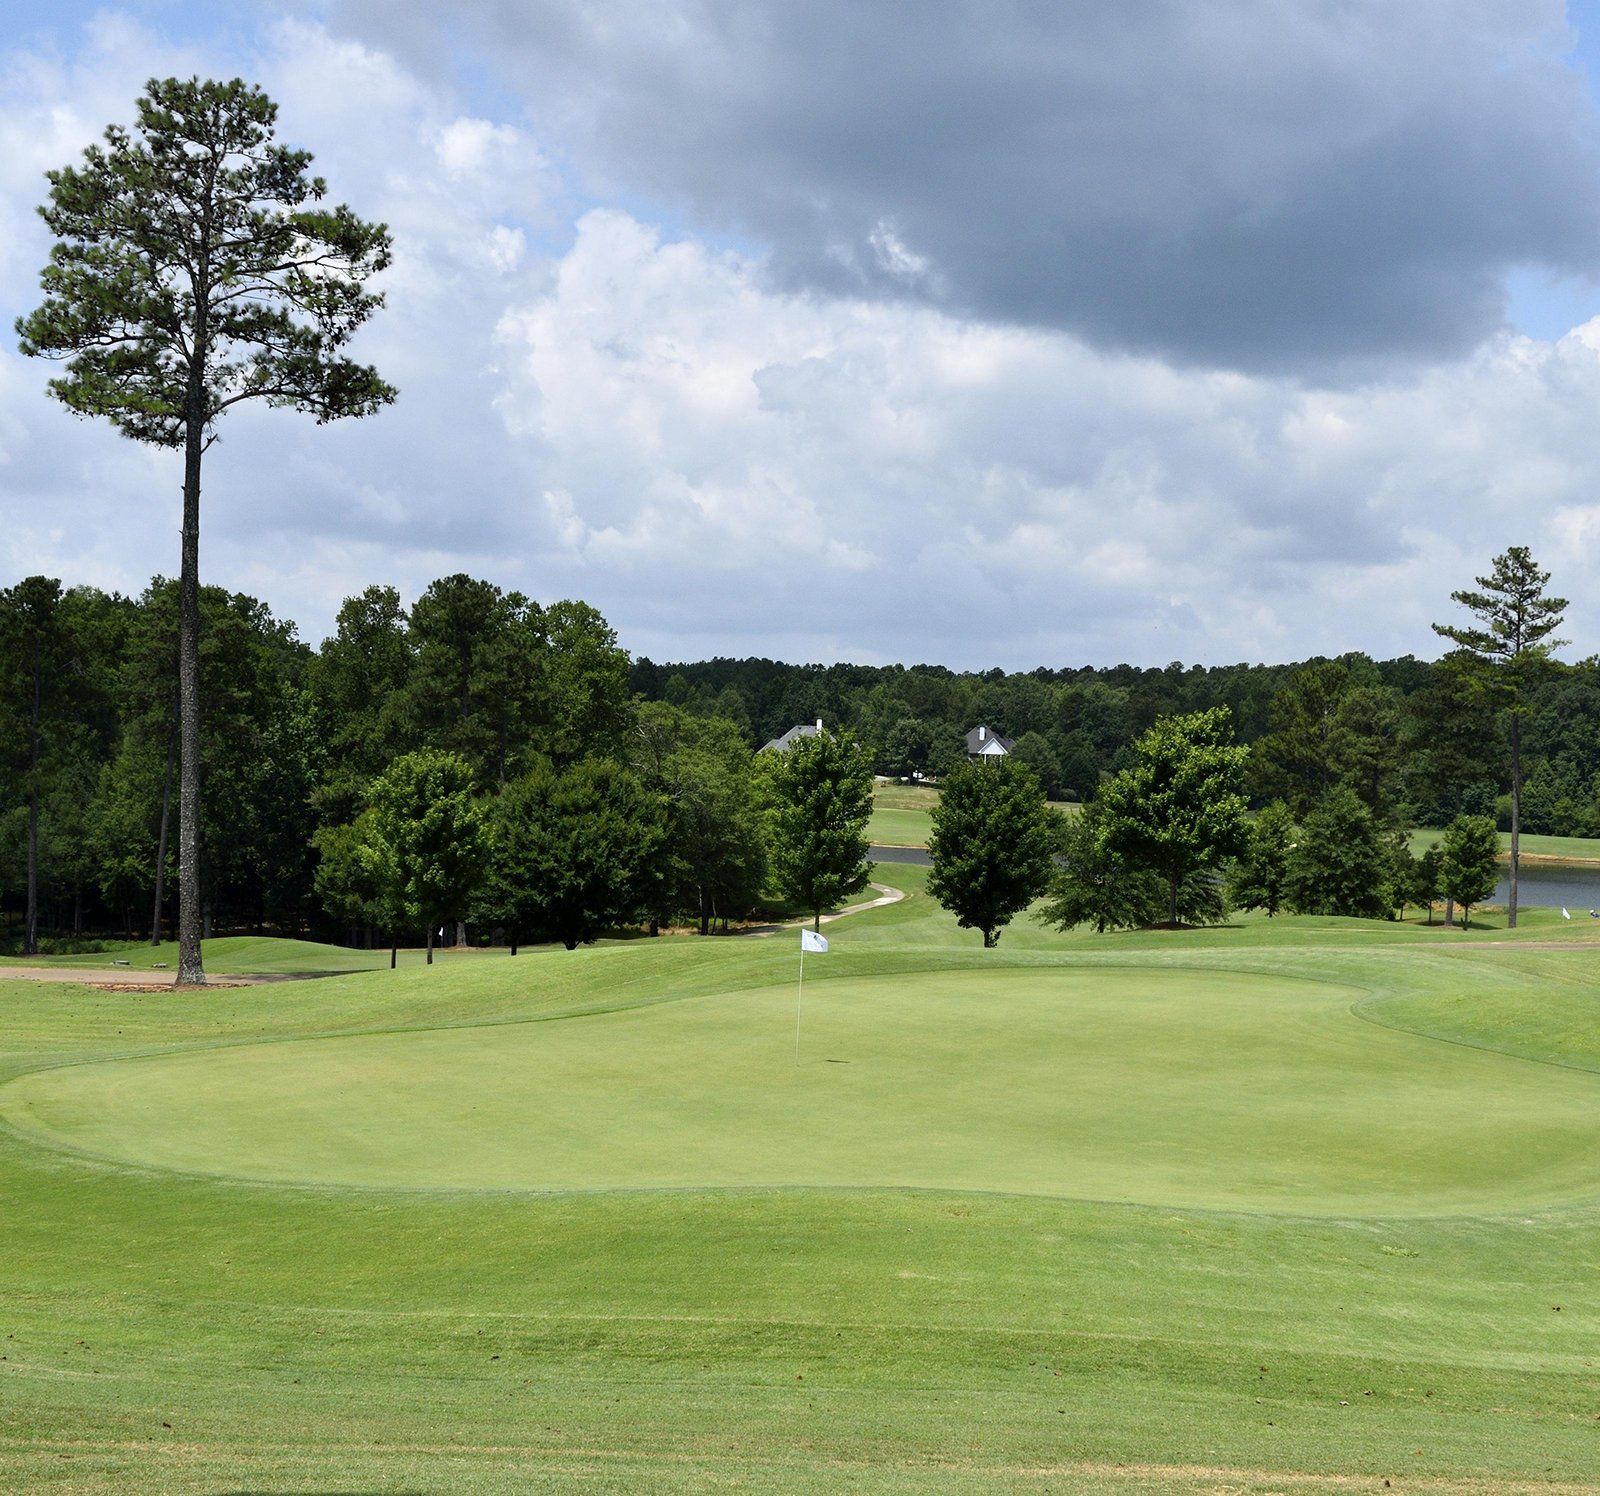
column 1178, row 808
column 992, row 844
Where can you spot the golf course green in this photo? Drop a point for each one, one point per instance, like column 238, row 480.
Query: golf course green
column 1293, row 1205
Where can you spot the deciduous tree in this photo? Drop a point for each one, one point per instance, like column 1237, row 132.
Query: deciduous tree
column 1469, row 862
column 1260, row 878
column 1093, row 886
column 1339, row 864
column 573, row 852
column 991, row 846
column 820, row 797
column 428, row 827
column 1177, row 809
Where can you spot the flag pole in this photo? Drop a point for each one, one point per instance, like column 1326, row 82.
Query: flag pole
column 799, row 993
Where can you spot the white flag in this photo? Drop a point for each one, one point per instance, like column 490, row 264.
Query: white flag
column 1564, row 913
column 811, row 941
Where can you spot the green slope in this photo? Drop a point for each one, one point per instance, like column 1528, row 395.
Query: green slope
column 1399, row 1287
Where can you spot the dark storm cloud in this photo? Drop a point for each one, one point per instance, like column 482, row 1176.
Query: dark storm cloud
column 1244, row 183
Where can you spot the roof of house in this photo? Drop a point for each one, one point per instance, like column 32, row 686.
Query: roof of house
column 983, row 740
column 789, row 739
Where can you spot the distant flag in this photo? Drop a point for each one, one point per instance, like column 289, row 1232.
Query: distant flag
column 1564, row 913
column 810, row 940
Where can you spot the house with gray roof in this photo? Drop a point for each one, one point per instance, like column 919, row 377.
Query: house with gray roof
column 984, row 742
column 789, row 739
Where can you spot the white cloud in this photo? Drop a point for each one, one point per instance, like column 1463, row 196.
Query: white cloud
column 593, row 406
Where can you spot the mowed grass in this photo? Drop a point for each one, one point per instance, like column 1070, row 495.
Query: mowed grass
column 1300, row 1205
column 902, row 814
column 233, row 955
column 1546, row 848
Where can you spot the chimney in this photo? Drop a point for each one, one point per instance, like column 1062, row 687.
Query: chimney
column 819, row 724
column 983, row 734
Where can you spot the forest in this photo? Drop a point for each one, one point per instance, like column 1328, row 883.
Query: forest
column 295, row 737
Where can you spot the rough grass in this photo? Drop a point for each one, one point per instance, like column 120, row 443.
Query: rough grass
column 1387, row 1307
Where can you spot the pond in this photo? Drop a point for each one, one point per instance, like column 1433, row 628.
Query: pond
column 1543, row 885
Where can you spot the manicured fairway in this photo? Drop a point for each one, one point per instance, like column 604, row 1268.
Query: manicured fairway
column 1195, row 1088
column 1299, row 1206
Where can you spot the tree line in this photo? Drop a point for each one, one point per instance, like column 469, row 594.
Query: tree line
column 1169, row 837
column 479, row 758
column 476, row 758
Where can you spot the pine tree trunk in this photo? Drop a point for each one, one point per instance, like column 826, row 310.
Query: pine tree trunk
column 461, row 934
column 161, row 839
column 430, row 942
column 191, row 967
column 1516, row 819
column 394, row 950
column 30, row 928
column 77, row 911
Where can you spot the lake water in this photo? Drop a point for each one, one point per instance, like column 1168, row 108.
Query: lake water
column 1543, row 885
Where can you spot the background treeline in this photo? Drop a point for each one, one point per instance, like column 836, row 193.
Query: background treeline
column 1409, row 736
column 294, row 740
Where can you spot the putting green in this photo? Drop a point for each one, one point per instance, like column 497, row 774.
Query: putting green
column 1173, row 1087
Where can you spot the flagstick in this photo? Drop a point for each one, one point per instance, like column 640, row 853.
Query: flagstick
column 798, row 994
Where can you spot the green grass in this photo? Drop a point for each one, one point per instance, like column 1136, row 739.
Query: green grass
column 231, row 955
column 1555, row 848
column 1290, row 1205
column 902, row 814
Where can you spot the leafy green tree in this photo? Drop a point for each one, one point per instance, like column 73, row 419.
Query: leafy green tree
column 195, row 266
column 427, row 826
column 715, row 859
column 1339, row 864
column 1093, row 886
column 478, row 675
column 905, row 746
column 1177, row 809
column 1034, row 750
column 120, row 821
column 356, row 880
column 356, row 685
column 573, row 852
column 1469, row 862
column 1260, row 877
column 1506, row 651
column 991, row 846
column 1403, row 869
column 820, row 797
column 588, row 707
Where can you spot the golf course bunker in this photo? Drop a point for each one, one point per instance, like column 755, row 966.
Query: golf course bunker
column 1153, row 1085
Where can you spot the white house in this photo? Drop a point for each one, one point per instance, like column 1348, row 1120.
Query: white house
column 983, row 743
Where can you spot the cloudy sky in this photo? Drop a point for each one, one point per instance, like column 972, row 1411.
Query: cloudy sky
column 975, row 331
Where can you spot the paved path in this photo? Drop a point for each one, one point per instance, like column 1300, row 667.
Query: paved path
column 887, row 895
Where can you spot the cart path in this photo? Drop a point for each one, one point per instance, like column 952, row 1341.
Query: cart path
column 887, row 895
